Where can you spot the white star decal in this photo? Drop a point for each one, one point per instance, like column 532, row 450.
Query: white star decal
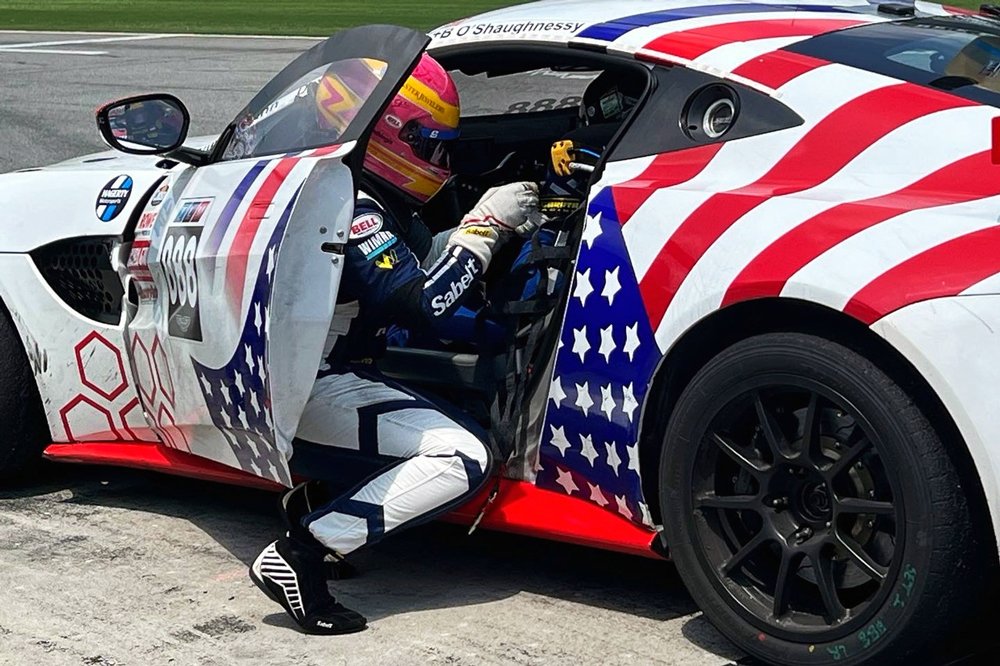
column 243, row 419
column 623, row 507
column 240, row 388
column 565, row 479
column 249, row 356
column 583, row 399
column 225, row 396
column 254, row 402
column 631, row 340
column 632, row 451
column 596, row 495
column 614, row 462
column 607, row 343
column 556, row 392
column 208, row 386
column 611, row 285
column 647, row 519
column 583, row 287
column 258, row 322
column 587, row 450
column 580, row 343
column 559, row 439
column 253, row 468
column 270, row 261
column 629, row 403
column 591, row 230
column 607, row 401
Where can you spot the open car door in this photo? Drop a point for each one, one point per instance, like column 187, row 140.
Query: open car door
column 236, row 264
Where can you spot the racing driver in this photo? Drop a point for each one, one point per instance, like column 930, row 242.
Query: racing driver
column 428, row 461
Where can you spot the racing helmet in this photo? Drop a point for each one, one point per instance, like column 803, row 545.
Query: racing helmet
column 410, row 144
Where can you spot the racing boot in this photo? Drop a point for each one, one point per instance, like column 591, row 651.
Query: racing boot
column 293, row 571
column 299, row 502
column 293, row 575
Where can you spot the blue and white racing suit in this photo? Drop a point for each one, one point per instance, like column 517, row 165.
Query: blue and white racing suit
column 430, row 461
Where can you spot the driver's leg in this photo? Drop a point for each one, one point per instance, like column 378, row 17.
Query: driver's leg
column 433, row 462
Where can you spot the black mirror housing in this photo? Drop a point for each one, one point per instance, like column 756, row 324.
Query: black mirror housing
column 155, row 124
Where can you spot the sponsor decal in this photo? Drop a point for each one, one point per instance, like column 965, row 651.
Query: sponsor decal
column 365, row 225
column 393, row 122
column 506, row 29
column 159, row 195
column 442, row 302
column 146, row 221
column 387, row 261
column 180, row 270
column 378, row 243
column 192, row 211
column 113, row 198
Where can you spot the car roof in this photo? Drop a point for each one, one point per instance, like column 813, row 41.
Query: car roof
column 716, row 36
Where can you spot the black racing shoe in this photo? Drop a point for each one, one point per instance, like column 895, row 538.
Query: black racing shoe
column 295, row 578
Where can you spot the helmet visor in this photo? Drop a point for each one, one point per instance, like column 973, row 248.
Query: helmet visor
column 432, row 145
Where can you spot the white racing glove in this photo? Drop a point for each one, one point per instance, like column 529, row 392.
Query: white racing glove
column 501, row 212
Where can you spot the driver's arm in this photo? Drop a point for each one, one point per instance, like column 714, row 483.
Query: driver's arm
column 393, row 287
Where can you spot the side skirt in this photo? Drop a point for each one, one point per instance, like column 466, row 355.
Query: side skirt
column 519, row 508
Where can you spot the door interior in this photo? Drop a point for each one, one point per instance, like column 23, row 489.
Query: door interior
column 242, row 257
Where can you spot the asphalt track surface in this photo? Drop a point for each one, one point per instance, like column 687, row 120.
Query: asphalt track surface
column 110, row 567
column 113, row 567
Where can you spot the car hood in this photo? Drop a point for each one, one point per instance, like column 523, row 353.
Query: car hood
column 43, row 205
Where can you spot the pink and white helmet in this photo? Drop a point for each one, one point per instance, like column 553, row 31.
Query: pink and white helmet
column 409, row 147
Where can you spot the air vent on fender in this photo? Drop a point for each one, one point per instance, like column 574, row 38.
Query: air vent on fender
column 79, row 270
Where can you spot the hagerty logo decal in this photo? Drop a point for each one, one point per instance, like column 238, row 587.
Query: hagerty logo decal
column 113, row 198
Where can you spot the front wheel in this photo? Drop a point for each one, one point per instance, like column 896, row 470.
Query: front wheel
column 811, row 509
column 22, row 419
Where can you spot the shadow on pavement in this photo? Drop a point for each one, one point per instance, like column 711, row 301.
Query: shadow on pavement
column 433, row 566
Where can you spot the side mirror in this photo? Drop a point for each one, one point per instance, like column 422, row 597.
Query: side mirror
column 144, row 125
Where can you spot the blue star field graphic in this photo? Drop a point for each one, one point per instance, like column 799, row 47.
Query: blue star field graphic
column 604, row 365
column 237, row 394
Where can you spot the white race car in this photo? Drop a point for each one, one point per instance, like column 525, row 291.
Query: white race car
column 762, row 335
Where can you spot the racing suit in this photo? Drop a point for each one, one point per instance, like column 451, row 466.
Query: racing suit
column 430, row 460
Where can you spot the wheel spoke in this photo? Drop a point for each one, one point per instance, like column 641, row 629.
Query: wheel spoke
column 854, row 505
column 735, row 561
column 727, row 502
column 849, row 457
column 811, row 442
column 770, row 427
column 823, row 568
column 737, row 456
column 783, row 582
column 862, row 559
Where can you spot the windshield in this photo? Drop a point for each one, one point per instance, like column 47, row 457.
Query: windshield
column 958, row 54
column 315, row 110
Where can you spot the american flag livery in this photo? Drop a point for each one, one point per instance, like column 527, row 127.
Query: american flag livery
column 237, row 394
column 605, row 359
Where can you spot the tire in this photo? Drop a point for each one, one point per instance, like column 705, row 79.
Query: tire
column 794, row 469
column 22, row 419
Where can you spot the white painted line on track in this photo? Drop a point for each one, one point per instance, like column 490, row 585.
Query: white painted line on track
column 186, row 35
column 4, row 49
column 99, row 40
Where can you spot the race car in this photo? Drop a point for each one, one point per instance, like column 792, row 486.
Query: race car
column 758, row 334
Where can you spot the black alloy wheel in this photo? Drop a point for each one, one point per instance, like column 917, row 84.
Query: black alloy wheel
column 794, row 508
column 812, row 510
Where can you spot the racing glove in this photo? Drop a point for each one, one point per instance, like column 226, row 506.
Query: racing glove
column 501, row 213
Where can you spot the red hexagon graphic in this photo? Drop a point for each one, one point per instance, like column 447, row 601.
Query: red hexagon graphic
column 79, row 408
column 168, row 429
column 133, row 411
column 144, row 370
column 163, row 370
column 101, row 356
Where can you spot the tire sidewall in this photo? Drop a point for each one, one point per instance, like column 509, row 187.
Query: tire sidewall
column 800, row 355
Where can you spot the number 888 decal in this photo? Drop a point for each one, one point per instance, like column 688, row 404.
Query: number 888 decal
column 177, row 260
